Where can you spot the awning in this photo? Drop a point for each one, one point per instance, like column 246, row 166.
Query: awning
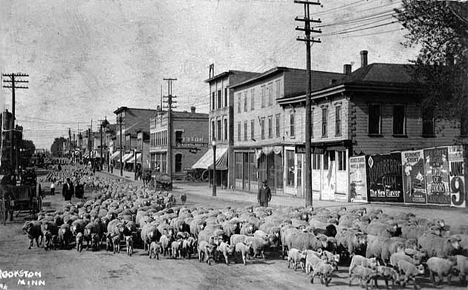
column 86, row 155
column 127, row 156
column 138, row 157
column 221, row 162
column 114, row 155
column 207, row 160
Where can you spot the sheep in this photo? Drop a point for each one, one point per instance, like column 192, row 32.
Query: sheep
column 332, row 259
column 258, row 245
column 79, row 241
column 410, row 271
column 64, row 235
column 312, row 260
column 386, row 273
column 176, row 248
column 324, row 270
column 243, row 250
column 296, row 257
column 188, row 247
column 154, row 250
column 437, row 246
column 225, row 250
column 359, row 260
column 363, row 273
column 441, row 267
column 166, row 242
column 462, row 267
column 237, row 238
column 205, row 251
column 95, row 238
column 395, row 257
column 109, row 242
column 129, row 245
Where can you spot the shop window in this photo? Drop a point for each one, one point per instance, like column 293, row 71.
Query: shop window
column 341, row 160
column 238, row 157
column 316, row 161
column 290, row 166
column 325, row 161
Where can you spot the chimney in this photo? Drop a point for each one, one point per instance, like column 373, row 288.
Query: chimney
column 192, row 109
column 363, row 58
column 347, row 69
column 211, row 72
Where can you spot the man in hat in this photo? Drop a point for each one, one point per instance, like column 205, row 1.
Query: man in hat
column 68, row 190
column 264, row 194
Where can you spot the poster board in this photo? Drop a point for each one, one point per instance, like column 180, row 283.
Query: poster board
column 414, row 177
column 456, row 175
column 384, row 174
column 437, row 178
column 357, row 179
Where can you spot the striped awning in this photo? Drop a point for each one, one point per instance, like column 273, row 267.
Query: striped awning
column 207, row 160
column 114, row 155
column 127, row 156
column 138, row 157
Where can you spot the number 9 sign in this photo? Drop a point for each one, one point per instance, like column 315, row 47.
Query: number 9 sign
column 457, row 189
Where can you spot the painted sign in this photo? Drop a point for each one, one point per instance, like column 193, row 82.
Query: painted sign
column 437, row 179
column 328, row 180
column 384, row 178
column 414, row 177
column 357, row 179
column 457, row 179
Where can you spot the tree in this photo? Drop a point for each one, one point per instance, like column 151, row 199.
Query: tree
column 56, row 148
column 440, row 28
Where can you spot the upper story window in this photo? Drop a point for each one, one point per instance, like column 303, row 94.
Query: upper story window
column 428, row 124
column 324, row 122
column 262, row 128
column 245, row 130
column 399, row 120
column 178, row 136
column 213, row 130
column 262, row 95
column 312, row 123
column 278, row 89
column 220, row 100
column 213, row 101
column 219, row 131
column 252, row 99
column 245, row 101
column 239, row 133
column 338, row 120
column 278, row 125
column 252, row 129
column 375, row 120
column 225, row 129
column 239, row 103
column 270, row 94
column 292, row 132
column 270, row 126
column 225, row 97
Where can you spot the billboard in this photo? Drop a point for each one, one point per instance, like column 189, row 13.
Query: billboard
column 357, row 179
column 457, row 179
column 385, row 178
column 437, row 178
column 414, row 177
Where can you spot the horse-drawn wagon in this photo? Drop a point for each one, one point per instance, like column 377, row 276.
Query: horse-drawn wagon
column 15, row 199
column 157, row 179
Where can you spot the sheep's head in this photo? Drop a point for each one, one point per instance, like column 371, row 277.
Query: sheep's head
column 455, row 241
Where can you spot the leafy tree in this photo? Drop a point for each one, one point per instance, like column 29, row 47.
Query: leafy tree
column 57, row 147
column 440, row 29
column 27, row 148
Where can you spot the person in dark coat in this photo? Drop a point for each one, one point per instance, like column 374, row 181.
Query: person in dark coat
column 68, row 190
column 264, row 195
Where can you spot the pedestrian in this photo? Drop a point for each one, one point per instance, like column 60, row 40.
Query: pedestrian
column 52, row 188
column 68, row 190
column 264, row 194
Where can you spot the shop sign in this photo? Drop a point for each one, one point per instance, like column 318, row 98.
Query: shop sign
column 457, row 179
column 384, row 178
column 357, row 179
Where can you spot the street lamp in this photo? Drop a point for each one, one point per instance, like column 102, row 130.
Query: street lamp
column 135, row 162
column 213, row 143
column 103, row 124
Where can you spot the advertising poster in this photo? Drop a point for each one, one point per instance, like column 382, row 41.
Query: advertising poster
column 437, row 175
column 357, row 179
column 414, row 177
column 457, row 179
column 384, row 178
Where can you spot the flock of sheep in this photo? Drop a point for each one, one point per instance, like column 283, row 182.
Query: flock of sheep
column 394, row 248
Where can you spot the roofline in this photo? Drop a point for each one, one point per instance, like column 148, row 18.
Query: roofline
column 123, row 108
column 264, row 75
column 226, row 73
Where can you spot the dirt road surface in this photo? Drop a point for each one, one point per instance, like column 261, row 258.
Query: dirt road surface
column 68, row 269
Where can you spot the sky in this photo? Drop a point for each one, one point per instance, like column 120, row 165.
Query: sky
column 86, row 58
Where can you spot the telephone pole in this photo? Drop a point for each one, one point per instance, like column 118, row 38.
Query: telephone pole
column 169, row 102
column 12, row 84
column 309, row 42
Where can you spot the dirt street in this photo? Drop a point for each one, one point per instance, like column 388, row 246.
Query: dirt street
column 68, row 269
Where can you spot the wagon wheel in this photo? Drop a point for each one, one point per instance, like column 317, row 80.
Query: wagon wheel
column 205, row 176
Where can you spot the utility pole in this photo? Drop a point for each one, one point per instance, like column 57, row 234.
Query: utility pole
column 121, row 165
column 308, row 41
column 69, row 143
column 169, row 102
column 12, row 84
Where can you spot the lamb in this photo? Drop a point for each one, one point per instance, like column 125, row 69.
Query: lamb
column 394, row 258
column 129, row 244
column 226, row 250
column 64, row 235
column 176, row 248
column 243, row 250
column 154, row 250
column 332, row 259
column 462, row 267
column 166, row 242
column 359, row 260
column 188, row 247
column 410, row 271
column 441, row 267
column 363, row 273
column 95, row 239
column 324, row 270
column 296, row 257
column 79, row 241
column 237, row 238
column 109, row 242
column 205, row 252
column 258, row 245
column 313, row 260
column 386, row 273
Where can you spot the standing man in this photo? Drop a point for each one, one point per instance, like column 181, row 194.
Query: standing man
column 264, row 195
column 68, row 190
